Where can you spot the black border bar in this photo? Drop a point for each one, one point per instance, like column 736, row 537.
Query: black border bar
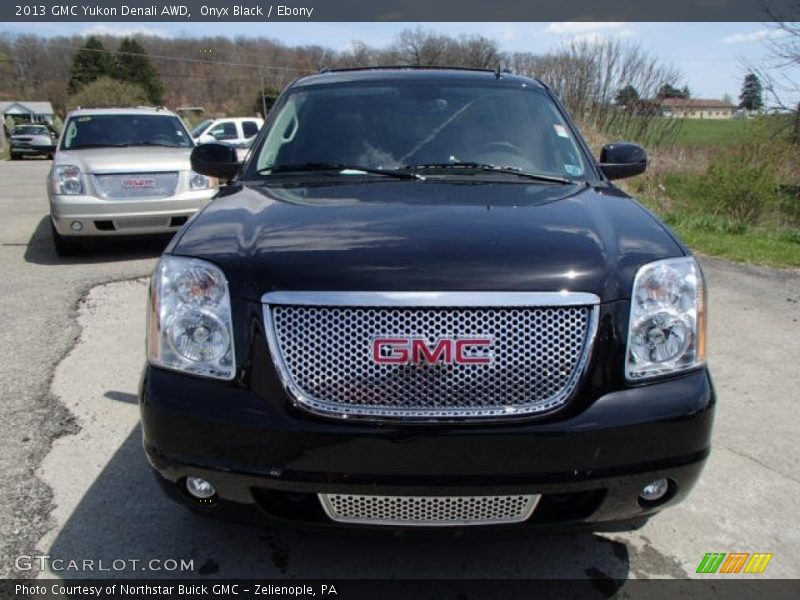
column 727, row 588
column 265, row 11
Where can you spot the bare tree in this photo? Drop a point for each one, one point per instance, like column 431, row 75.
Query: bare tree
column 419, row 47
column 588, row 74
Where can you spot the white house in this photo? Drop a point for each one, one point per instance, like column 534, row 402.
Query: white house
column 35, row 112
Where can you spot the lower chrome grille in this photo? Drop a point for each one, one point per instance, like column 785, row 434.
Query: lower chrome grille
column 428, row 511
column 525, row 352
column 125, row 186
column 141, row 223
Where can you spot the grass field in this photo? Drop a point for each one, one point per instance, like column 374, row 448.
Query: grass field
column 708, row 132
column 687, row 207
column 755, row 246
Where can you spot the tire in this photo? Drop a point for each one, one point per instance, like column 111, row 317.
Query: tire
column 63, row 246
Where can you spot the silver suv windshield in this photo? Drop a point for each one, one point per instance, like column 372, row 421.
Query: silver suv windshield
column 437, row 128
column 116, row 130
column 30, row 130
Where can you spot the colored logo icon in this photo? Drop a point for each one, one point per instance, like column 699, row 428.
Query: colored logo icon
column 734, row 562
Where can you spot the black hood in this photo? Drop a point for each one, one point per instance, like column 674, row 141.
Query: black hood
column 427, row 236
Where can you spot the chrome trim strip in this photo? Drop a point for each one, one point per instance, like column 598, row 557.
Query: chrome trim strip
column 533, row 501
column 432, row 299
column 446, row 299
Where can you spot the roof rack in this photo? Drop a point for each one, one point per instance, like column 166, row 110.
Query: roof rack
column 403, row 67
column 141, row 106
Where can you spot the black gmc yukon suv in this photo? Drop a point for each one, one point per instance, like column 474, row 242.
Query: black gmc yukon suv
column 420, row 302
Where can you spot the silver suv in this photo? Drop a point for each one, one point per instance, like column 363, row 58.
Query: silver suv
column 31, row 140
column 123, row 171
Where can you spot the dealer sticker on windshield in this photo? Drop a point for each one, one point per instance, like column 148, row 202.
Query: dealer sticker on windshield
column 561, row 131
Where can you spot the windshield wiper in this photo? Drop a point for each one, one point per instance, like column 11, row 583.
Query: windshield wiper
column 159, row 144
column 82, row 146
column 339, row 168
column 475, row 166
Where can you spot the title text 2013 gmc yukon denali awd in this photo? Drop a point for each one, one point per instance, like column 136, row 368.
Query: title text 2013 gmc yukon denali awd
column 421, row 303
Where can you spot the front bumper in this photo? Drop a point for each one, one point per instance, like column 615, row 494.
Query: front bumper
column 102, row 217
column 32, row 150
column 267, row 460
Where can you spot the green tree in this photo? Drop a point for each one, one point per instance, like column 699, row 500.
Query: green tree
column 752, row 96
column 627, row 97
column 270, row 94
column 90, row 63
column 107, row 92
column 670, row 91
column 134, row 66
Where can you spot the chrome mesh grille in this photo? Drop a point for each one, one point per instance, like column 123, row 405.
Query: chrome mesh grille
column 142, row 223
column 428, row 510
column 123, row 186
column 325, row 354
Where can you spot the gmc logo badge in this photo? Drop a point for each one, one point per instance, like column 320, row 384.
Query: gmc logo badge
column 138, row 183
column 449, row 351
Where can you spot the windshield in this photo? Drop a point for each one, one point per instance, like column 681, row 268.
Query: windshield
column 97, row 131
column 422, row 125
column 30, row 130
column 197, row 131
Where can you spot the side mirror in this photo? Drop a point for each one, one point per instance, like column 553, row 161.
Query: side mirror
column 215, row 160
column 619, row 160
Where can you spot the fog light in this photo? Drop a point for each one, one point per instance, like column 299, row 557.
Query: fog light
column 199, row 488
column 76, row 225
column 655, row 490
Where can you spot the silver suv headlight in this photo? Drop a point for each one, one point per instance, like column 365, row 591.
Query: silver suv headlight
column 189, row 325
column 667, row 329
column 201, row 182
column 67, row 180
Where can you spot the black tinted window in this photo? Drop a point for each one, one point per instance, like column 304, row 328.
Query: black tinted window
column 392, row 125
column 250, row 128
column 225, row 131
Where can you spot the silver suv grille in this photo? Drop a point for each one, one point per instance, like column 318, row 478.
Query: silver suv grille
column 323, row 347
column 428, row 510
column 123, row 186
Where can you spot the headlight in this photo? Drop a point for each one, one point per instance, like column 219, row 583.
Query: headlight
column 667, row 331
column 189, row 325
column 67, row 179
column 201, row 182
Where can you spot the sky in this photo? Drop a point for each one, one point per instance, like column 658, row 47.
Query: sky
column 713, row 57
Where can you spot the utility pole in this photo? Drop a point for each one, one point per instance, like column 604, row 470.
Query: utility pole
column 263, row 99
column 796, row 134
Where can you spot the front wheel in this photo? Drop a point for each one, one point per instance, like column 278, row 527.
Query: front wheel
column 64, row 246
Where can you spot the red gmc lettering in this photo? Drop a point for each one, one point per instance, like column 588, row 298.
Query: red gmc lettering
column 390, row 351
column 417, row 351
column 442, row 352
column 474, row 360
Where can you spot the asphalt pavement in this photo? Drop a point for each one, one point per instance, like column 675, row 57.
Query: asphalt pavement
column 77, row 485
